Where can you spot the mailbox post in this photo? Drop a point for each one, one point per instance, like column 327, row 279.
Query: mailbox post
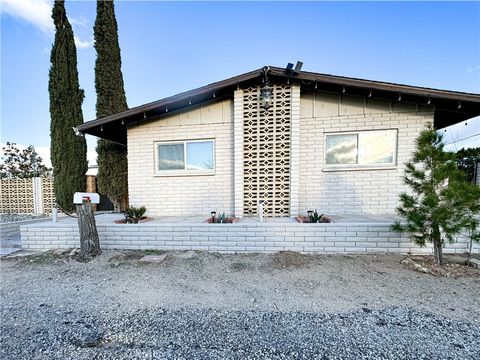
column 89, row 243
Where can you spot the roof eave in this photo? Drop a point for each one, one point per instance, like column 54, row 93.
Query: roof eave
column 114, row 127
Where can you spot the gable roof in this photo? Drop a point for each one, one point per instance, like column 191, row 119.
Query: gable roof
column 450, row 106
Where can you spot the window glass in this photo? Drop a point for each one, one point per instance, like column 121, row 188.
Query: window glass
column 362, row 148
column 171, row 157
column 376, row 147
column 341, row 149
column 200, row 155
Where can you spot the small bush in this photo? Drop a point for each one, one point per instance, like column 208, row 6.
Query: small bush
column 135, row 214
column 315, row 217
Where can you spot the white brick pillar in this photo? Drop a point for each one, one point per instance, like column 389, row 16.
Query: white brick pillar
column 238, row 152
column 295, row 150
column 37, row 195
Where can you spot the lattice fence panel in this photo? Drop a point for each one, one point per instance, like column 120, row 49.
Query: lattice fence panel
column 48, row 195
column 267, row 152
column 16, row 196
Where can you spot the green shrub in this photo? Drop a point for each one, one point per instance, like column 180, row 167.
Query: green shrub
column 135, row 214
column 315, row 217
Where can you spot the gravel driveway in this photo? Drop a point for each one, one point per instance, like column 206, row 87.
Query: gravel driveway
column 207, row 306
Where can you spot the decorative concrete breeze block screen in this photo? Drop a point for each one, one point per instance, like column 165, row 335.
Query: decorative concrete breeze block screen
column 267, row 151
column 26, row 196
column 48, row 194
column 17, row 196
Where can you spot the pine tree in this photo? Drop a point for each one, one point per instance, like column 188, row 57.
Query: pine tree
column 68, row 151
column 112, row 157
column 442, row 203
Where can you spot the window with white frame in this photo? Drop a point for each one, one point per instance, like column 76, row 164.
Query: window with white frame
column 371, row 148
column 185, row 157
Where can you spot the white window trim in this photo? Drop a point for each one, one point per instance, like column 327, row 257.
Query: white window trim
column 350, row 167
column 184, row 172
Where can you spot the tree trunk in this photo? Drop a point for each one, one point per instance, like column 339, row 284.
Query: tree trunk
column 116, row 206
column 470, row 245
column 89, row 243
column 438, row 253
column 437, row 246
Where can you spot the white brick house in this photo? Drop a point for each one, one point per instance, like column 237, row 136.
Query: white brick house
column 325, row 142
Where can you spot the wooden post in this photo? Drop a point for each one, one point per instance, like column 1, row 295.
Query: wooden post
column 89, row 243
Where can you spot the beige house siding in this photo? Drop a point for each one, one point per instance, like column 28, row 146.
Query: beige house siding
column 353, row 191
column 183, row 195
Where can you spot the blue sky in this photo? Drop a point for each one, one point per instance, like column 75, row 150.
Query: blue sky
column 169, row 47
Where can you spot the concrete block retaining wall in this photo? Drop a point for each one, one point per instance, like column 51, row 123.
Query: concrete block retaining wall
column 237, row 238
column 11, row 230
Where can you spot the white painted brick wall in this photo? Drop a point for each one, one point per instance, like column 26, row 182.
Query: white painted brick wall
column 183, row 195
column 295, row 151
column 11, row 230
column 237, row 238
column 359, row 191
column 339, row 192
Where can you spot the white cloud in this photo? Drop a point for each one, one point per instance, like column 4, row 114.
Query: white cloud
column 81, row 21
column 35, row 12
column 38, row 13
column 44, row 153
column 82, row 44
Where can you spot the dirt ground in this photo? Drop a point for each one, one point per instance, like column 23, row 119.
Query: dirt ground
column 279, row 282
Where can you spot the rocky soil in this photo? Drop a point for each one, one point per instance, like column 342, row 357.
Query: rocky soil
column 209, row 306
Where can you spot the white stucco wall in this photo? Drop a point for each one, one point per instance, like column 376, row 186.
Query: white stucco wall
column 353, row 191
column 183, row 195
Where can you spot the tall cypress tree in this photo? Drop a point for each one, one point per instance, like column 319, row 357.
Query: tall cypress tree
column 68, row 152
column 112, row 157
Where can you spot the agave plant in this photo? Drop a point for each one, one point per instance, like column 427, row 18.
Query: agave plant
column 135, row 214
column 315, row 217
column 222, row 218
